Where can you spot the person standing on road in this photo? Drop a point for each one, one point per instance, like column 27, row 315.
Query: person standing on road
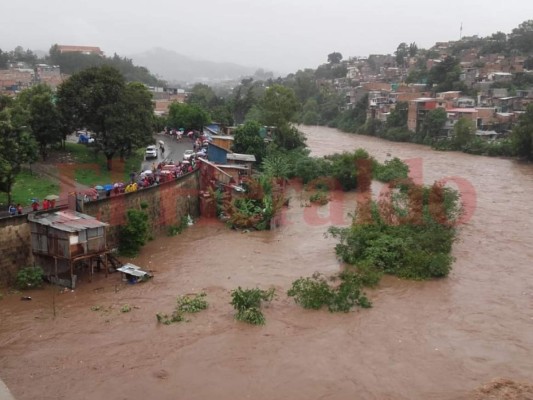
column 19, row 209
column 12, row 210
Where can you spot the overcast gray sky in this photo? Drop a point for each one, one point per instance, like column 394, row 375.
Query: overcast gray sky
column 280, row 35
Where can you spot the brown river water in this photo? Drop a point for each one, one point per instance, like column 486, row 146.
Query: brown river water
column 421, row 340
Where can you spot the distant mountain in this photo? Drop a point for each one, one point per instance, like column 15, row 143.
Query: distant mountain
column 172, row 66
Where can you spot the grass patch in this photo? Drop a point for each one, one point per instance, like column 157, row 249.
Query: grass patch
column 29, row 186
column 96, row 172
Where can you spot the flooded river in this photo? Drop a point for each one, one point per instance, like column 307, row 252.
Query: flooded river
column 421, row 340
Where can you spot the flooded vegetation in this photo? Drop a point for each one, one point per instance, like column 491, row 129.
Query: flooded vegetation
column 437, row 339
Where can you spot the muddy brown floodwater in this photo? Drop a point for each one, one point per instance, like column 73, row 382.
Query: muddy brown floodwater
column 421, row 340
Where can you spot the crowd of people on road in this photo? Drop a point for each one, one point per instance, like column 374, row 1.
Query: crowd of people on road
column 159, row 173
column 180, row 133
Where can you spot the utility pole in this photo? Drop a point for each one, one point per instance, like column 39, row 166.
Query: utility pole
column 461, row 32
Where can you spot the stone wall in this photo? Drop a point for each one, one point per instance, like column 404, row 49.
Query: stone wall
column 166, row 205
column 15, row 247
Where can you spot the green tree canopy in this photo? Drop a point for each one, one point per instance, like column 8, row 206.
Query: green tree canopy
column 401, row 53
column 45, row 121
column 463, row 132
column 444, row 75
column 398, row 116
column 187, row 116
column 521, row 37
column 17, row 147
column 433, row 123
column 522, row 135
column 99, row 99
column 278, row 106
column 247, row 140
column 334, row 58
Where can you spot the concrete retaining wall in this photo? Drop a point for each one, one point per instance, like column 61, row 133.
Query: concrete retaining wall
column 15, row 247
column 166, row 205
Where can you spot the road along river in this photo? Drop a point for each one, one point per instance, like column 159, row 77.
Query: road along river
column 421, row 340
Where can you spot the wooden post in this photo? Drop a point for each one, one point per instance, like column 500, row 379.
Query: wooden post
column 105, row 264
column 71, row 273
column 55, row 266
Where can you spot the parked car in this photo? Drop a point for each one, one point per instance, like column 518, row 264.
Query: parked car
column 188, row 154
column 85, row 139
column 151, row 152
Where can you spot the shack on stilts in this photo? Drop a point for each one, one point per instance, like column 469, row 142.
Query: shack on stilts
column 65, row 241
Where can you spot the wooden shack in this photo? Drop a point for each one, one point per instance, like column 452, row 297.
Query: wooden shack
column 246, row 160
column 64, row 241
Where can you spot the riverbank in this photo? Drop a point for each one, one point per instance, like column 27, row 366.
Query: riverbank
column 421, row 340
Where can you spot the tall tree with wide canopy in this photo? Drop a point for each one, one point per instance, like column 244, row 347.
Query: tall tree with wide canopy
column 334, row 58
column 44, row 120
column 17, row 147
column 187, row 116
column 98, row 99
column 278, row 105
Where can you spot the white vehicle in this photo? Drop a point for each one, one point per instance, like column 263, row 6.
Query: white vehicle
column 151, row 152
column 188, row 154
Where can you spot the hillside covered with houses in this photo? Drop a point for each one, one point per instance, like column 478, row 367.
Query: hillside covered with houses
column 413, row 94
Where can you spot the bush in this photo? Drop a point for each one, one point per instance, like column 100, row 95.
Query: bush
column 411, row 236
column 187, row 304
column 192, row 303
column 247, row 302
column 315, row 292
column 174, row 230
column 311, row 293
column 29, row 278
column 391, row 170
column 320, row 198
column 134, row 234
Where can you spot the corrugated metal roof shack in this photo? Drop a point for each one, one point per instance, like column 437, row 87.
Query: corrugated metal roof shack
column 64, row 241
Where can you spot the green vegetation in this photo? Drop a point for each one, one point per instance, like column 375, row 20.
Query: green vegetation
column 192, row 303
column 523, row 135
column 29, row 278
column 187, row 116
column 315, row 292
column 390, row 170
column 119, row 114
column 320, row 197
column 95, row 171
column 72, row 63
column 134, row 234
column 187, row 304
column 126, row 308
column 29, row 186
column 262, row 202
column 247, row 303
column 174, row 230
column 409, row 235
